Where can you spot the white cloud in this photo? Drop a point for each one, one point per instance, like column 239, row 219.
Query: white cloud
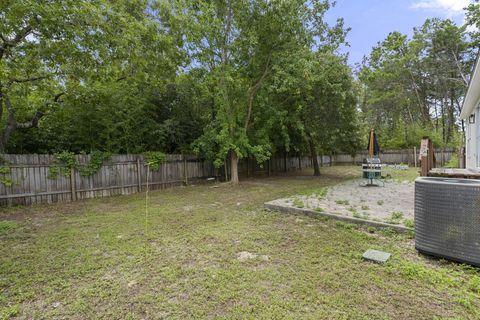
column 449, row 8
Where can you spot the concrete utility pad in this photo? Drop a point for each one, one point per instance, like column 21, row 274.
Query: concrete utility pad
column 376, row 256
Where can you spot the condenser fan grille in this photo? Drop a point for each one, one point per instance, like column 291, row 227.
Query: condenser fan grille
column 447, row 218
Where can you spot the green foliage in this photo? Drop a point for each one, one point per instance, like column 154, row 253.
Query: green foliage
column 395, row 218
column 409, row 223
column 319, row 193
column 67, row 161
column 6, row 181
column 79, row 54
column 413, row 87
column 345, row 225
column 298, row 202
column 259, row 85
column 96, row 161
column 7, row 226
column 453, row 162
column 154, row 159
column 4, row 170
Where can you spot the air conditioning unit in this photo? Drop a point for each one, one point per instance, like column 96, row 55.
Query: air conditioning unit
column 447, row 218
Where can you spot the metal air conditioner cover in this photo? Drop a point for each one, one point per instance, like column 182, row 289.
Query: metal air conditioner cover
column 447, row 218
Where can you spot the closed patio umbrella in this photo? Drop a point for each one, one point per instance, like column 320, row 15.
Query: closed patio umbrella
column 373, row 147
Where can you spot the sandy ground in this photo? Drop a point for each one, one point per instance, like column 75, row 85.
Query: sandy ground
column 393, row 203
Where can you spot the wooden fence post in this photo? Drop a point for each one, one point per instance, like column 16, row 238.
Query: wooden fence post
column 73, row 186
column 139, row 177
column 427, row 156
column 415, row 156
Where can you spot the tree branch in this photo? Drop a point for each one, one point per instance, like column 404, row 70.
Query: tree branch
column 14, row 80
column 33, row 123
column 13, row 42
column 457, row 63
column 12, row 123
column 19, row 36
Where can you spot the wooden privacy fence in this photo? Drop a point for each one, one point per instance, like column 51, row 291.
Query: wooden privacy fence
column 395, row 157
column 122, row 174
column 30, row 181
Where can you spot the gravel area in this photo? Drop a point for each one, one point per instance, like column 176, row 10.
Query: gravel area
column 392, row 203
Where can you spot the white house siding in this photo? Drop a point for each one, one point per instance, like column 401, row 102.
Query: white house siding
column 470, row 145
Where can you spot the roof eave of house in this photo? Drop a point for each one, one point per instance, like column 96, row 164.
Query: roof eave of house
column 473, row 92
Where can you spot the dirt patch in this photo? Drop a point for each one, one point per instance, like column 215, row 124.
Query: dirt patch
column 245, row 255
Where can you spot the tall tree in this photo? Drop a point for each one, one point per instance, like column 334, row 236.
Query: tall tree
column 49, row 50
column 242, row 44
column 414, row 87
column 319, row 95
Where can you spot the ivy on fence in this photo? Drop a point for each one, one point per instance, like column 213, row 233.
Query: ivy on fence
column 66, row 161
column 154, row 159
column 6, row 181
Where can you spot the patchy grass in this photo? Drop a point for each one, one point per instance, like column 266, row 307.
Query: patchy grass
column 7, row 226
column 297, row 202
column 396, row 217
column 408, row 175
column 94, row 259
column 317, row 192
column 342, row 202
column 409, row 223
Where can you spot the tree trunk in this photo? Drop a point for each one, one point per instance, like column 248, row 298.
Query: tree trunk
column 451, row 118
column 313, row 153
column 233, row 167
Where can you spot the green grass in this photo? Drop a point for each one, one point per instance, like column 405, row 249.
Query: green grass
column 395, row 217
column 319, row 192
column 342, row 202
column 409, row 223
column 7, row 226
column 94, row 259
column 297, row 202
column 408, row 175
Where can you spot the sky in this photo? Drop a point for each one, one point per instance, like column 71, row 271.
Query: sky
column 372, row 20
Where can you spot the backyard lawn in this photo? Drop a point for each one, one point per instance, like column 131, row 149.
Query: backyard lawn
column 212, row 251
